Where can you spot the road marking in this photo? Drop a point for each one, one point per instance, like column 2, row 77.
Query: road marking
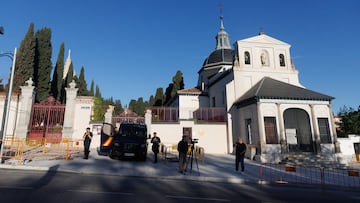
column 16, row 187
column 198, row 198
column 101, row 192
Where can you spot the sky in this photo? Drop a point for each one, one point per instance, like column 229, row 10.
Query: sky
column 129, row 48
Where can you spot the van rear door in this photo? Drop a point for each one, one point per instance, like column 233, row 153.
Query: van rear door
column 107, row 136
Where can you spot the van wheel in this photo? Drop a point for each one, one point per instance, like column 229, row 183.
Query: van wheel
column 111, row 154
column 143, row 158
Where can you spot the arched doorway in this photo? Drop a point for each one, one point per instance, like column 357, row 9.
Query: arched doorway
column 298, row 130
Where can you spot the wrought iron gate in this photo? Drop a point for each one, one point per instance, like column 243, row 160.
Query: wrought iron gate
column 47, row 119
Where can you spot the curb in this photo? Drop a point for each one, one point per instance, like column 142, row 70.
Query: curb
column 126, row 174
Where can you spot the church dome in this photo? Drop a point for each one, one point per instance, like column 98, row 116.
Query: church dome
column 220, row 56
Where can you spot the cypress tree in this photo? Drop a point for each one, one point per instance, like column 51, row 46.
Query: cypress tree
column 43, row 64
column 70, row 75
column 151, row 100
column 178, row 82
column 65, row 83
column 2, row 87
column 57, row 79
column 81, row 84
column 91, row 93
column 97, row 92
column 159, row 97
column 24, row 66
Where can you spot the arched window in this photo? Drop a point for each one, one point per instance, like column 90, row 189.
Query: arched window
column 247, row 57
column 282, row 59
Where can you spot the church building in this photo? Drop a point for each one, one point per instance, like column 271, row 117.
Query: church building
column 258, row 85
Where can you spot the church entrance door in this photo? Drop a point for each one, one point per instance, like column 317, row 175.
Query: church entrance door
column 298, row 131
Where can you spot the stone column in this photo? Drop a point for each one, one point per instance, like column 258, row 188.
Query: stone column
column 282, row 129
column 333, row 129
column 316, row 130
column 68, row 127
column 148, row 120
column 108, row 114
column 26, row 101
column 262, row 138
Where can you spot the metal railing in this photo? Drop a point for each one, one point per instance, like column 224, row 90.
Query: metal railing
column 213, row 114
column 171, row 114
column 298, row 174
column 164, row 114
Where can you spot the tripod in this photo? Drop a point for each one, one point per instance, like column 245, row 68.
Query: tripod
column 191, row 159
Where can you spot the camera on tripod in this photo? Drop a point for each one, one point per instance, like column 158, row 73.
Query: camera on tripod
column 194, row 141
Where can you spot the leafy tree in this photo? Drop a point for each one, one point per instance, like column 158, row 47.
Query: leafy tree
column 99, row 109
column 132, row 105
column 140, row 107
column 117, row 107
column 81, row 83
column 57, row 79
column 350, row 121
column 25, row 64
column 43, row 64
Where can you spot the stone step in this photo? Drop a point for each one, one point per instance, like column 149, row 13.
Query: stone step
column 309, row 159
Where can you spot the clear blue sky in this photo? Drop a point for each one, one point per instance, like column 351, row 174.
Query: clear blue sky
column 131, row 47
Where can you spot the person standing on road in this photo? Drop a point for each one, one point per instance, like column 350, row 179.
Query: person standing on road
column 182, row 149
column 87, row 141
column 155, row 140
column 240, row 149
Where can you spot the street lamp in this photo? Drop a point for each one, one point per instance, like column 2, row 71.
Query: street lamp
column 12, row 56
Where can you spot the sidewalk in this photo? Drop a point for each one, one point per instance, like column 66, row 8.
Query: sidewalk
column 217, row 168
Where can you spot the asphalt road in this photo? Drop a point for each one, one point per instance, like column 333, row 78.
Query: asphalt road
column 37, row 186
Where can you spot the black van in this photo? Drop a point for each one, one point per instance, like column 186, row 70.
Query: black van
column 130, row 141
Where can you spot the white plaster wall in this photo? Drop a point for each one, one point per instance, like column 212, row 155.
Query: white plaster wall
column 218, row 91
column 347, row 150
column 239, row 128
column 347, row 144
column 187, row 105
column 13, row 113
column 250, row 74
column 212, row 137
column 83, row 110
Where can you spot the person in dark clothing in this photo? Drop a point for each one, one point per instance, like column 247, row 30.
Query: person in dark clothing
column 240, row 149
column 182, row 149
column 155, row 146
column 87, row 141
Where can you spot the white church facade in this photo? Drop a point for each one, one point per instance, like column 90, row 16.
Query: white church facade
column 266, row 105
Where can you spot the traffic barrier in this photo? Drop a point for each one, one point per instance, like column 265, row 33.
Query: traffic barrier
column 22, row 150
column 300, row 174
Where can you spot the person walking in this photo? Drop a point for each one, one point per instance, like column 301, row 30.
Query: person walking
column 87, row 141
column 240, row 149
column 182, row 149
column 155, row 140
